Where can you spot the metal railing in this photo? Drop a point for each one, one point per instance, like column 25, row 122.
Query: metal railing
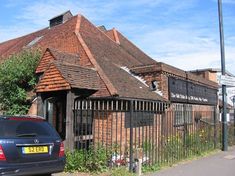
column 155, row 132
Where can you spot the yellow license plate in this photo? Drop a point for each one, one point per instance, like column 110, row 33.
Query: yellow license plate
column 35, row 149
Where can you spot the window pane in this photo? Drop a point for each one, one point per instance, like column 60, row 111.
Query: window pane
column 12, row 128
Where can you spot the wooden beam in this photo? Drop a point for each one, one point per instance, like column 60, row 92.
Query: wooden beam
column 40, row 105
column 69, row 138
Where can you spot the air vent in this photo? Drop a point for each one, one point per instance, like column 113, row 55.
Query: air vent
column 59, row 19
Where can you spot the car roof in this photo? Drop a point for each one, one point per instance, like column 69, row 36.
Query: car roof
column 22, row 117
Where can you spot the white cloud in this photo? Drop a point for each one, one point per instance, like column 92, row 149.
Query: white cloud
column 187, row 47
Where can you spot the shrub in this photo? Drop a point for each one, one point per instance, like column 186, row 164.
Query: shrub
column 16, row 79
column 75, row 161
column 92, row 160
column 121, row 171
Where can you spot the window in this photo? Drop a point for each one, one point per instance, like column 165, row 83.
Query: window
column 154, row 85
column 13, row 128
column 183, row 114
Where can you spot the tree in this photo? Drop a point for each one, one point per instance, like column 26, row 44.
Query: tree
column 17, row 78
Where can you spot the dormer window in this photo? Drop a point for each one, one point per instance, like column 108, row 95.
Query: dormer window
column 154, row 85
column 59, row 19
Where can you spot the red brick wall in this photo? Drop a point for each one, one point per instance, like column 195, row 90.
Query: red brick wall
column 161, row 79
column 110, row 130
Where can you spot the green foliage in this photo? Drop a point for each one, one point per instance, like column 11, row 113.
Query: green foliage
column 173, row 148
column 92, row 160
column 180, row 147
column 97, row 159
column 150, row 168
column 231, row 134
column 75, row 161
column 16, row 79
column 147, row 146
column 121, row 171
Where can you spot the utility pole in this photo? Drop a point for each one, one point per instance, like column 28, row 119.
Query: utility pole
column 224, row 99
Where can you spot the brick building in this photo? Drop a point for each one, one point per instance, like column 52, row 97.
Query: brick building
column 81, row 60
column 214, row 74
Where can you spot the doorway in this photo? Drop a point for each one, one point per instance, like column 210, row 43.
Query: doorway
column 55, row 113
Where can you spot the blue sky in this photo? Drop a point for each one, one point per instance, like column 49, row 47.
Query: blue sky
column 182, row 33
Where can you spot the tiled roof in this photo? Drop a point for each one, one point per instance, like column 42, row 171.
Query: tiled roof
column 16, row 45
column 63, row 76
column 52, row 80
column 79, row 77
column 52, row 54
column 60, row 37
column 129, row 47
column 110, row 57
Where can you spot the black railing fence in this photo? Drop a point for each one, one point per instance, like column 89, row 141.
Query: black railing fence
column 150, row 131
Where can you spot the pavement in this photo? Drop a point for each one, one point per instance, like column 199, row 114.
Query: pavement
column 219, row 164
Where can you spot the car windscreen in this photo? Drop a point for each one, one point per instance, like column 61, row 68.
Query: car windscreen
column 18, row 128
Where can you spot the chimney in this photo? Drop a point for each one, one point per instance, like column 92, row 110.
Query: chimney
column 60, row 19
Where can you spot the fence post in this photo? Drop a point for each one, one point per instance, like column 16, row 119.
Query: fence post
column 131, row 137
column 185, row 129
